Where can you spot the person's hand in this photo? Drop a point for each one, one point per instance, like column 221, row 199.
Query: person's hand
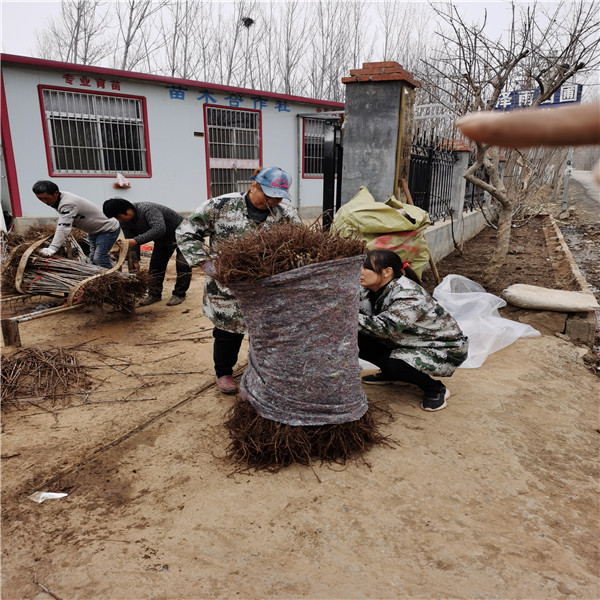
column 47, row 252
column 208, row 267
column 574, row 125
column 132, row 242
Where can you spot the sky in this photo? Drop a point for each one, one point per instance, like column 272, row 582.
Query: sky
column 21, row 19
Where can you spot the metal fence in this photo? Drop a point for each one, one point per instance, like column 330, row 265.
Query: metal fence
column 430, row 176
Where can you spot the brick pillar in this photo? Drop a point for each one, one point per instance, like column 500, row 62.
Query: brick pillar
column 377, row 129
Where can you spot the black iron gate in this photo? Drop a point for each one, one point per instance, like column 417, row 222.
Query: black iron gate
column 333, row 154
column 430, row 176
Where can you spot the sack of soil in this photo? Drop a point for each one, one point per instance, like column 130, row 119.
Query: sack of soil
column 389, row 225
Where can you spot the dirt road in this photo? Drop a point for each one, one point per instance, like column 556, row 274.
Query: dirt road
column 494, row 497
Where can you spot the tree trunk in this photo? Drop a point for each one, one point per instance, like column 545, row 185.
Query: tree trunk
column 502, row 243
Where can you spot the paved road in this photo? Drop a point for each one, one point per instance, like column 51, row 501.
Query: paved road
column 588, row 183
column 582, row 229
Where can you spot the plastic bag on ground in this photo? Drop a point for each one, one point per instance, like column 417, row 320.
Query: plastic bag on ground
column 476, row 312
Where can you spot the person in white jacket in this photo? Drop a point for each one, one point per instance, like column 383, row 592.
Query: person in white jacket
column 75, row 211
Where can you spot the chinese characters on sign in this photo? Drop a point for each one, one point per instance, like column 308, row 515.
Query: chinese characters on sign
column 98, row 82
column 234, row 100
column 567, row 94
column 177, row 92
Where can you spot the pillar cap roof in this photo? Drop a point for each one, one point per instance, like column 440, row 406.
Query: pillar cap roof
column 381, row 71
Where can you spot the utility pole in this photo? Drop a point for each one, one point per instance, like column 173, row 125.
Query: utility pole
column 568, row 170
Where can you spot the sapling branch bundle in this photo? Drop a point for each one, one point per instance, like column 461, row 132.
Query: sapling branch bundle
column 266, row 252
column 42, row 375
column 264, row 444
column 56, row 276
column 116, row 289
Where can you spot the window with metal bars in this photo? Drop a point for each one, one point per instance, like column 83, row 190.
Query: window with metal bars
column 94, row 134
column 314, row 135
column 233, row 141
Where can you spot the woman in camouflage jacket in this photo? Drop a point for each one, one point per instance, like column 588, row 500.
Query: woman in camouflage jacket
column 221, row 218
column 404, row 331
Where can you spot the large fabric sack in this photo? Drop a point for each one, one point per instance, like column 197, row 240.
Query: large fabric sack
column 303, row 364
column 390, row 225
column 540, row 298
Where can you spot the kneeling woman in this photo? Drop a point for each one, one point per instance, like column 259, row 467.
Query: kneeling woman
column 404, row 331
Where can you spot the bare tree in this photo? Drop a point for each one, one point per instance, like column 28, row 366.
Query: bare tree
column 269, row 51
column 475, row 69
column 138, row 37
column 361, row 42
column 184, row 44
column 77, row 35
column 290, row 40
column 328, row 49
column 235, row 43
column 289, row 46
column 395, row 25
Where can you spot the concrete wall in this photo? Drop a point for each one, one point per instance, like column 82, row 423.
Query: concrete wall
column 371, row 138
column 440, row 236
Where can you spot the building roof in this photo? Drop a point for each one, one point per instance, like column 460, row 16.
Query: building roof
column 29, row 61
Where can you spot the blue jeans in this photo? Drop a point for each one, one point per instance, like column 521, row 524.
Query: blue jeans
column 100, row 245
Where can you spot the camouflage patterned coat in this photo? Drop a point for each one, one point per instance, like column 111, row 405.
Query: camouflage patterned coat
column 218, row 219
column 415, row 327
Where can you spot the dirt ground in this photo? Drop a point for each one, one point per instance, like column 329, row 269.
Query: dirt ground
column 494, row 497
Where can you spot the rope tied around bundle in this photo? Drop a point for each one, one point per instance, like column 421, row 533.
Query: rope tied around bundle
column 27, row 273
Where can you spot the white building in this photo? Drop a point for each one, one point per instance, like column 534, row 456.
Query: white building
column 176, row 141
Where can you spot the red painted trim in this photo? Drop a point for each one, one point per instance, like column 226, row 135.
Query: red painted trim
column 303, row 145
column 45, row 130
column 51, row 173
column 147, row 140
column 171, row 81
column 9, row 157
column 206, row 148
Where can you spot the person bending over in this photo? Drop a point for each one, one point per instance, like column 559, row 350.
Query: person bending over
column 75, row 211
column 404, row 331
column 144, row 222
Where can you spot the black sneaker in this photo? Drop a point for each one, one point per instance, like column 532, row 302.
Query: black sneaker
column 380, row 379
column 435, row 399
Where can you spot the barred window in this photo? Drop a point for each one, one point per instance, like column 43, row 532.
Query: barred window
column 95, row 134
column 233, row 138
column 314, row 134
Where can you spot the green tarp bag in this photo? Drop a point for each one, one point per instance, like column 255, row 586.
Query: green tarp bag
column 390, row 225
